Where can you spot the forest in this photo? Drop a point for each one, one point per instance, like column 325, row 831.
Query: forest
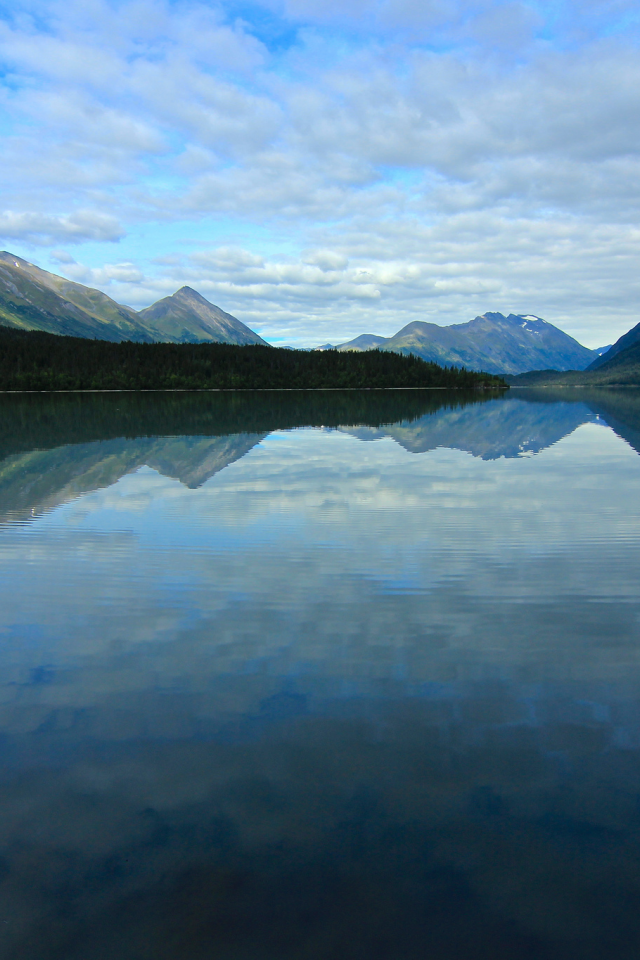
column 32, row 360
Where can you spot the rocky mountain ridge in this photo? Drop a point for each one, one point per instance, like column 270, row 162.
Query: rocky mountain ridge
column 627, row 340
column 34, row 299
column 492, row 342
column 619, row 366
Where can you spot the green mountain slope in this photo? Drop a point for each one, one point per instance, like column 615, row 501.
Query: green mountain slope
column 34, row 299
column 622, row 370
column 627, row 340
column 27, row 304
column 186, row 317
column 491, row 342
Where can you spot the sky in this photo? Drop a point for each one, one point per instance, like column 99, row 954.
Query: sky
column 322, row 169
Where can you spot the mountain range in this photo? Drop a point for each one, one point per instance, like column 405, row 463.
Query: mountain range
column 624, row 345
column 491, row 342
column 34, row 299
column 619, row 366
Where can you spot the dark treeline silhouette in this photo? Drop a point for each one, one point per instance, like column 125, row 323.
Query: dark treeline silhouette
column 31, row 360
column 33, row 421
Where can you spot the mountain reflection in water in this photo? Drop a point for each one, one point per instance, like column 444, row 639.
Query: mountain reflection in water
column 57, row 447
column 270, row 692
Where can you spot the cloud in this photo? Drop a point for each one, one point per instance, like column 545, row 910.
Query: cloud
column 61, row 256
column 499, row 161
column 46, row 230
column 327, row 260
column 380, row 278
column 103, row 276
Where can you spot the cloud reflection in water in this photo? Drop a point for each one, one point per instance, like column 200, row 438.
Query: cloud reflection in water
column 341, row 699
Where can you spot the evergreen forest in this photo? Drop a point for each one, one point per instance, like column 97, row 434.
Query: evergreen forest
column 33, row 360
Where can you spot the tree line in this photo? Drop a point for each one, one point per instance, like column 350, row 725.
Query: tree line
column 32, row 360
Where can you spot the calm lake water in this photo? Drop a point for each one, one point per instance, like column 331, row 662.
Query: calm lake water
column 320, row 676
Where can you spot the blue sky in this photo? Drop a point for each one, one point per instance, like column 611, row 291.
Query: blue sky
column 322, row 169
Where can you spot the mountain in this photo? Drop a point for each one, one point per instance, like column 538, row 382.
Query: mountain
column 29, row 301
column 621, row 368
column 100, row 316
column 626, row 340
column 186, row 317
column 366, row 341
column 491, row 342
column 34, row 299
column 614, row 369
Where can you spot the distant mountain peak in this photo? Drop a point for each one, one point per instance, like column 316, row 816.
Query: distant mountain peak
column 183, row 295
column 188, row 293
column 511, row 318
column 629, row 339
column 492, row 342
column 11, row 258
column 187, row 317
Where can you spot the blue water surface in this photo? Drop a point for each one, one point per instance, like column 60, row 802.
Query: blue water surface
column 315, row 677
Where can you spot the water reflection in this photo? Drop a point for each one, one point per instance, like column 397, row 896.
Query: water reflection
column 336, row 699
column 56, row 447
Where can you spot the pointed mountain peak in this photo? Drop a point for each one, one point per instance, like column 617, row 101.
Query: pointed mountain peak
column 188, row 293
column 187, row 317
column 15, row 261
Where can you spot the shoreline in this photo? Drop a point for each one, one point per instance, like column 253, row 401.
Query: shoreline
column 260, row 390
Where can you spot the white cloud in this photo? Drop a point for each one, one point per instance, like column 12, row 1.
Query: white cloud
column 380, row 279
column 491, row 167
column 44, row 230
column 61, row 256
column 327, row 260
column 103, row 276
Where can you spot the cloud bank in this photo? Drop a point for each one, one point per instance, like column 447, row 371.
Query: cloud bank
column 322, row 171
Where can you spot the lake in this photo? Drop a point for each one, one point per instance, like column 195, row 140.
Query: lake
column 320, row 676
